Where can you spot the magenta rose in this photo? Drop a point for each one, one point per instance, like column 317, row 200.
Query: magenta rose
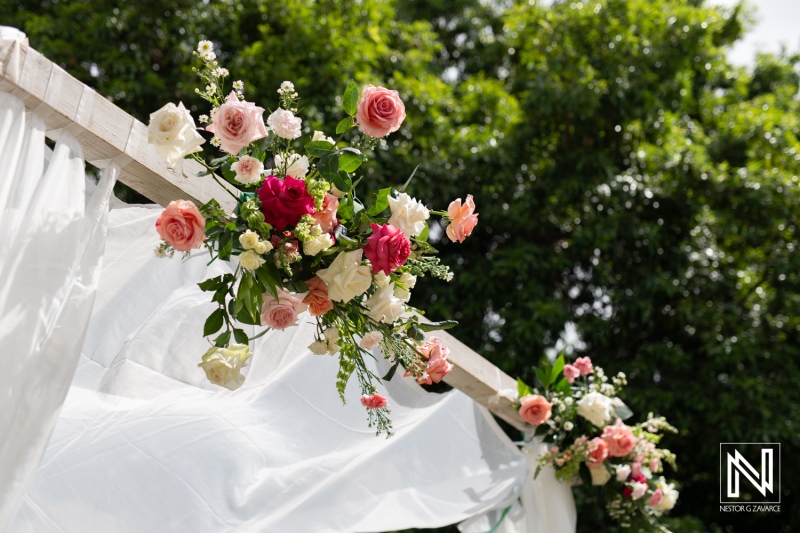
column 387, row 248
column 283, row 202
column 327, row 217
column 182, row 225
column 380, row 111
column 237, row 123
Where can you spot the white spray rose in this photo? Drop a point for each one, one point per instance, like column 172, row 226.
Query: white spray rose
column 623, row 471
column 383, row 306
column 346, row 277
column 262, row 247
column 296, row 165
column 318, row 244
column 223, row 366
column 402, row 294
column 173, row 132
column 250, row 260
column 284, row 124
column 248, row 170
column 596, row 408
column 319, row 136
column 670, row 496
column 249, row 239
column 638, row 490
column 408, row 214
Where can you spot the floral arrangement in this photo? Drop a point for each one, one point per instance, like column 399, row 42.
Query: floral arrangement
column 581, row 414
column 302, row 239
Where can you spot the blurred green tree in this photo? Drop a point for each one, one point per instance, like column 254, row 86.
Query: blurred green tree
column 629, row 180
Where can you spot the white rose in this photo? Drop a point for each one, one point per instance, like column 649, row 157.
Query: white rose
column 296, row 165
column 383, row 306
column 371, row 340
column 250, row 260
column 596, row 408
column 408, row 280
column 318, row 347
column 318, row 244
column 284, row 124
column 262, row 247
column 223, row 366
column 381, row 279
column 623, row 471
column 249, row 239
column 173, row 132
column 248, row 170
column 346, row 277
column 600, row 475
column 408, row 214
column 670, row 496
column 638, row 490
column 402, row 294
column 319, row 136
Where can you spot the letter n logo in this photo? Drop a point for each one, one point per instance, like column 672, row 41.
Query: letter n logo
column 749, row 472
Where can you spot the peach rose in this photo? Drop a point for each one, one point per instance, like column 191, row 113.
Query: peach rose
column 463, row 219
column 282, row 313
column 535, row 409
column 237, row 123
column 182, row 225
column 317, row 299
column 327, row 217
column 598, row 452
column 619, row 438
column 380, row 111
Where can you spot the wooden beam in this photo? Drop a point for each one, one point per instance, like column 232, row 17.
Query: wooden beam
column 107, row 133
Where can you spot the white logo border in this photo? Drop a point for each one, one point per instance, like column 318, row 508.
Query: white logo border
column 721, row 488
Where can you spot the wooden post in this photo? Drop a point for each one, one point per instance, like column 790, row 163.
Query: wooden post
column 107, row 133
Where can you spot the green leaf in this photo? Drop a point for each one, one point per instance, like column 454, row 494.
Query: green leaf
column 222, row 340
column 380, row 202
column 320, row 148
column 328, row 166
column 522, row 388
column 344, row 125
column 211, row 284
column 623, row 412
column 558, row 367
column 204, row 172
column 240, row 336
column 437, row 326
column 213, row 322
column 218, row 161
column 403, row 188
column 390, row 374
column 350, row 99
column 269, row 278
column 423, row 237
column 563, row 386
column 342, row 181
column 416, row 334
column 345, row 211
column 225, row 245
column 543, row 376
column 350, row 159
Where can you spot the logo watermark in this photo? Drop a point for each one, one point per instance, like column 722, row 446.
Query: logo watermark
column 749, row 477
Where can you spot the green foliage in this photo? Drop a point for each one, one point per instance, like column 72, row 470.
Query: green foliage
column 628, row 179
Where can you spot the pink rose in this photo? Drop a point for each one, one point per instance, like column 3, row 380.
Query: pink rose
column 436, row 354
column 182, row 225
column 374, row 401
column 433, row 348
column 380, row 111
column 327, row 217
column 570, row 372
column 636, row 468
column 584, row 365
column 282, row 313
column 387, row 248
column 656, row 498
column 619, row 438
column 463, row 219
column 655, row 465
column 598, row 451
column 317, row 299
column 236, row 124
column 284, row 202
column 535, row 409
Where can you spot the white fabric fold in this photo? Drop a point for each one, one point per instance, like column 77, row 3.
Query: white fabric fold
column 52, row 244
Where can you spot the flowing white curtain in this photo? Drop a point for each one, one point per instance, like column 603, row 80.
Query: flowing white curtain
column 145, row 444
column 52, row 242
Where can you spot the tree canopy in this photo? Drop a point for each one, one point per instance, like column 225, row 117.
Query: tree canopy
column 629, row 180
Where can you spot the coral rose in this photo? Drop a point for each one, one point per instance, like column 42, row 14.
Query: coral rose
column 380, row 111
column 182, row 225
column 374, row 401
column 236, row 124
column 598, row 453
column 535, row 409
column 284, row 202
column 327, row 217
column 283, row 312
column 387, row 248
column 317, row 299
column 619, row 438
column 463, row 219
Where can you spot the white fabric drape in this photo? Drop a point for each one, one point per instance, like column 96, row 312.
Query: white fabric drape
column 52, row 243
column 145, row 444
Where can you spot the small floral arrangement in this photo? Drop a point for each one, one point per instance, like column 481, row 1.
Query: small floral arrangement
column 302, row 240
column 581, row 414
